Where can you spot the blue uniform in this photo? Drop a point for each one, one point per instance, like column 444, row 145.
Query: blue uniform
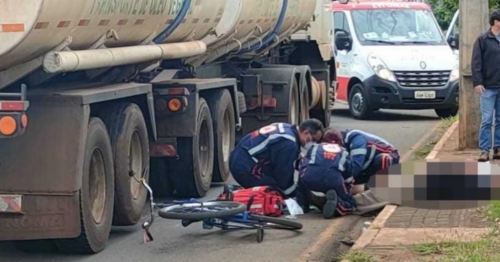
column 327, row 167
column 369, row 154
column 266, row 157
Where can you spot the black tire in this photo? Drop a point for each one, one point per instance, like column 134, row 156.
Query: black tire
column 293, row 104
column 358, row 103
column 193, row 171
column 278, row 222
column 129, row 140
column 224, row 124
column 242, row 103
column 446, row 112
column 160, row 182
column 94, row 235
column 230, row 209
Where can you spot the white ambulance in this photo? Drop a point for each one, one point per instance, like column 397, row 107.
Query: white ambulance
column 393, row 55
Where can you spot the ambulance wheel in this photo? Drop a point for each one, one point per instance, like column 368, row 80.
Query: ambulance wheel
column 446, row 112
column 192, row 173
column 96, row 193
column 224, row 124
column 358, row 103
column 130, row 143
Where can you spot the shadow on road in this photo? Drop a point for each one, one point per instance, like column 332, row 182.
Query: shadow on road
column 385, row 116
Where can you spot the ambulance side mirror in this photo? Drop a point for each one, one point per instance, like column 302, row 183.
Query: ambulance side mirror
column 453, row 42
column 343, row 40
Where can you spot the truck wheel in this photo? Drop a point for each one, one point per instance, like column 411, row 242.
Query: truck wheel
column 294, row 110
column 96, row 194
column 129, row 140
column 193, row 171
column 242, row 103
column 446, row 112
column 222, row 111
column 304, row 104
column 358, row 103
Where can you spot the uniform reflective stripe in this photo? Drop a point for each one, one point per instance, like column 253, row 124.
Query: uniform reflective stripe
column 289, row 190
column 369, row 161
column 256, row 206
column 313, row 154
column 264, row 143
column 358, row 151
column 342, row 161
column 255, row 159
column 368, row 135
column 349, row 180
column 281, row 128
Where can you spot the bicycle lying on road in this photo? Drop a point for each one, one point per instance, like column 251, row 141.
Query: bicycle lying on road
column 223, row 214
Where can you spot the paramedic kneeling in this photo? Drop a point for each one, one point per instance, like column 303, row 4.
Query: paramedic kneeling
column 266, row 156
column 369, row 154
column 326, row 169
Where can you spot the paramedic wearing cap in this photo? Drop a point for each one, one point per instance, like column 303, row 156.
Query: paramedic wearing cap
column 266, row 156
column 369, row 153
column 326, row 169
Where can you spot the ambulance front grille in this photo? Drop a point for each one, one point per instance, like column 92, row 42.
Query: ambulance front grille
column 422, row 79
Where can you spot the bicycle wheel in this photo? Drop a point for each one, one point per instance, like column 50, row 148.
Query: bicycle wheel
column 275, row 222
column 202, row 210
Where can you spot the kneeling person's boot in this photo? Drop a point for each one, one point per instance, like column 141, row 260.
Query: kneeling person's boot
column 317, row 201
column 331, row 204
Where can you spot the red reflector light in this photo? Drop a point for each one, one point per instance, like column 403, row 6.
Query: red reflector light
column 12, row 106
column 177, row 91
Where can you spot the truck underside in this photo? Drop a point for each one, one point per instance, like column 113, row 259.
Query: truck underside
column 77, row 169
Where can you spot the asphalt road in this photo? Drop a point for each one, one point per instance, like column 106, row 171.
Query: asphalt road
column 173, row 243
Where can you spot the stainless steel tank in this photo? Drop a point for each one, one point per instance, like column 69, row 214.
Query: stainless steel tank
column 31, row 28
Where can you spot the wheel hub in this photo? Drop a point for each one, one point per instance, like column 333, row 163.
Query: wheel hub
column 203, row 152
column 135, row 165
column 97, row 185
column 357, row 102
column 226, row 138
column 293, row 110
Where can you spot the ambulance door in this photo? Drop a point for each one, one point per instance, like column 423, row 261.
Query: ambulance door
column 343, row 46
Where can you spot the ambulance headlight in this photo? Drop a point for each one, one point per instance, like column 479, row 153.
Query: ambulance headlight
column 380, row 68
column 454, row 75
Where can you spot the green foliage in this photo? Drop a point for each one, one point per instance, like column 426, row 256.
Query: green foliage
column 445, row 9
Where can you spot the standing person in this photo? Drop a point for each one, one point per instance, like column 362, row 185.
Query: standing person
column 266, row 157
column 486, row 80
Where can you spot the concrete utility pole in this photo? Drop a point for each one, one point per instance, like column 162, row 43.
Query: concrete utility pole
column 473, row 20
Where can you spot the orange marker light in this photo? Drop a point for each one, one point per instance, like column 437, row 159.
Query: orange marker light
column 174, row 104
column 8, row 125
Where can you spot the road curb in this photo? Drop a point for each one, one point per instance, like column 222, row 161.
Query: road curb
column 379, row 222
column 432, row 155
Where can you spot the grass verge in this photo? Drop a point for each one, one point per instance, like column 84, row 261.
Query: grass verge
column 483, row 250
column 357, row 256
column 423, row 151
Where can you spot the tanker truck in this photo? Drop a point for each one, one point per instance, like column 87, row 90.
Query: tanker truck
column 97, row 96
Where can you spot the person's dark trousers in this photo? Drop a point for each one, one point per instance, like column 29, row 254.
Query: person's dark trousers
column 246, row 172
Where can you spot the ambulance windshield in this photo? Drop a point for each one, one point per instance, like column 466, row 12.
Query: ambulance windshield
column 396, row 27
